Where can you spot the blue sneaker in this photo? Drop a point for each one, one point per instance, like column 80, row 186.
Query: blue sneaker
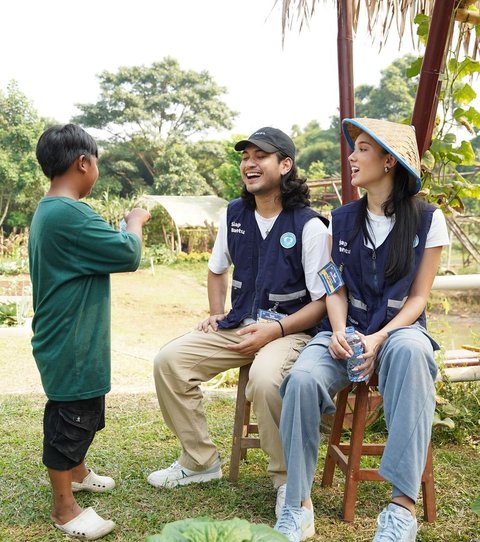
column 395, row 524
column 281, row 493
column 295, row 523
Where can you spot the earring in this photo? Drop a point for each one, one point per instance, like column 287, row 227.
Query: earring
column 386, row 169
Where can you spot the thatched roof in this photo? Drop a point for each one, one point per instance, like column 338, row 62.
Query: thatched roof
column 382, row 14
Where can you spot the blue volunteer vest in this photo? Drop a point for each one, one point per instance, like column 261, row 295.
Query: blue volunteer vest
column 372, row 303
column 267, row 273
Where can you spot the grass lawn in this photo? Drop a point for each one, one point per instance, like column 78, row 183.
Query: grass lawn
column 148, row 310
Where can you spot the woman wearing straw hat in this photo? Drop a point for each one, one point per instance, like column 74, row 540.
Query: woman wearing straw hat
column 386, row 250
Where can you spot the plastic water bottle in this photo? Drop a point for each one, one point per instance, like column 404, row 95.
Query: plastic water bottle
column 355, row 343
column 123, row 225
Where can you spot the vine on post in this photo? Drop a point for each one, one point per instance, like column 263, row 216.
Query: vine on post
column 447, row 165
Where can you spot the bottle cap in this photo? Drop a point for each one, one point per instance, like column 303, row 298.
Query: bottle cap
column 349, row 329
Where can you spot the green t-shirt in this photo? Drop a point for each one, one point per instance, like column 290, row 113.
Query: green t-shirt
column 72, row 250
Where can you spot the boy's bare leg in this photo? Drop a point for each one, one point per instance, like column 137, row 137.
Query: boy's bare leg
column 65, row 507
column 79, row 472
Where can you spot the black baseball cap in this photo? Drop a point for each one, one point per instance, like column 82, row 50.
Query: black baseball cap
column 269, row 140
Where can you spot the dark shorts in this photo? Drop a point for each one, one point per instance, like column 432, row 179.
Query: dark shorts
column 69, row 428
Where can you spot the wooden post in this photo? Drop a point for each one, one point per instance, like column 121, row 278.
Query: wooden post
column 426, row 100
column 346, row 89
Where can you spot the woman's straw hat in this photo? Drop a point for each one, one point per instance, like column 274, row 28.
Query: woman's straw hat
column 397, row 139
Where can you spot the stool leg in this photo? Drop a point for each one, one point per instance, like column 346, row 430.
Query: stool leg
column 238, row 425
column 334, row 439
column 246, row 422
column 428, row 489
column 355, row 452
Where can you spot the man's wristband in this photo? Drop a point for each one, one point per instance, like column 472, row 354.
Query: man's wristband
column 281, row 327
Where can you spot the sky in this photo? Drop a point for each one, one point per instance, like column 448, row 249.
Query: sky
column 55, row 49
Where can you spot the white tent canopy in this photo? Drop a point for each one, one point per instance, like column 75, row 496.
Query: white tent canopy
column 188, row 211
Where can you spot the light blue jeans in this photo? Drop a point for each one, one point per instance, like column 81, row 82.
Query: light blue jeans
column 406, row 373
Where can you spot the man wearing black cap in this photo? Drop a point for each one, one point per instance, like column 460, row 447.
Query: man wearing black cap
column 277, row 244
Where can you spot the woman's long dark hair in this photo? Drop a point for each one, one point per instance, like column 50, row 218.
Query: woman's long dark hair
column 294, row 191
column 406, row 209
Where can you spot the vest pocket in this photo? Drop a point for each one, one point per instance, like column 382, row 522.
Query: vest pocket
column 285, row 298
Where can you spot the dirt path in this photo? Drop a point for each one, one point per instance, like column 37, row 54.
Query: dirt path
column 147, row 311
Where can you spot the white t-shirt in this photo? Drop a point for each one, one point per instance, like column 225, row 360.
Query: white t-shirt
column 381, row 225
column 315, row 250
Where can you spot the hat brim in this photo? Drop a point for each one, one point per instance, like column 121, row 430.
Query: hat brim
column 242, row 145
column 352, row 128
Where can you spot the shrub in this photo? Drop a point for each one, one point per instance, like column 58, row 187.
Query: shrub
column 8, row 314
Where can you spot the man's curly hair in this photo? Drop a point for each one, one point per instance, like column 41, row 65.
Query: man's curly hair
column 294, row 191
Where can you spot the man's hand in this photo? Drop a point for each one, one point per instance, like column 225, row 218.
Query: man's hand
column 256, row 336
column 210, row 322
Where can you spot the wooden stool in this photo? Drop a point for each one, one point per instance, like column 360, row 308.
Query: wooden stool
column 348, row 455
column 242, row 428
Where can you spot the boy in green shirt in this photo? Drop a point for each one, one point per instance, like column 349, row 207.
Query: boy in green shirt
column 72, row 251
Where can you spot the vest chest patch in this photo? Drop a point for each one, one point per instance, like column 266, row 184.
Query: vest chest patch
column 288, row 240
column 236, row 227
column 342, row 246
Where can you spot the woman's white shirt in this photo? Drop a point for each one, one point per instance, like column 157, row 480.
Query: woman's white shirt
column 315, row 250
column 381, row 225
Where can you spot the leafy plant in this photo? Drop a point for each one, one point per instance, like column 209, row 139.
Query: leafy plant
column 444, row 412
column 208, row 530
column 444, row 164
column 8, row 314
column 160, row 254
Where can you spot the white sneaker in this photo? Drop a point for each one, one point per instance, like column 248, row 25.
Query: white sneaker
column 295, row 523
column 281, row 492
column 176, row 475
column 395, row 524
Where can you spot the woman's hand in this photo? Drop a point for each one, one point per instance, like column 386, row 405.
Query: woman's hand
column 338, row 346
column 371, row 345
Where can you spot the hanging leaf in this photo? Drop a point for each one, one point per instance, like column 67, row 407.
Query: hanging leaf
column 465, row 94
column 414, row 69
column 428, row 161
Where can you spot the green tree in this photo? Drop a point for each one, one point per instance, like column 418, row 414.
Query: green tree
column 317, row 145
column 21, row 181
column 394, row 97
column 154, row 111
column 209, row 157
column 229, row 171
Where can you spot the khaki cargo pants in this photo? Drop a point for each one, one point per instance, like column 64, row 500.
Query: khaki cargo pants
column 188, row 361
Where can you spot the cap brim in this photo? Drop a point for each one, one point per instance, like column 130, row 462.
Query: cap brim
column 352, row 129
column 242, row 145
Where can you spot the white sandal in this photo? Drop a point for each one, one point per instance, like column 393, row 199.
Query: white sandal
column 94, row 482
column 88, row 526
